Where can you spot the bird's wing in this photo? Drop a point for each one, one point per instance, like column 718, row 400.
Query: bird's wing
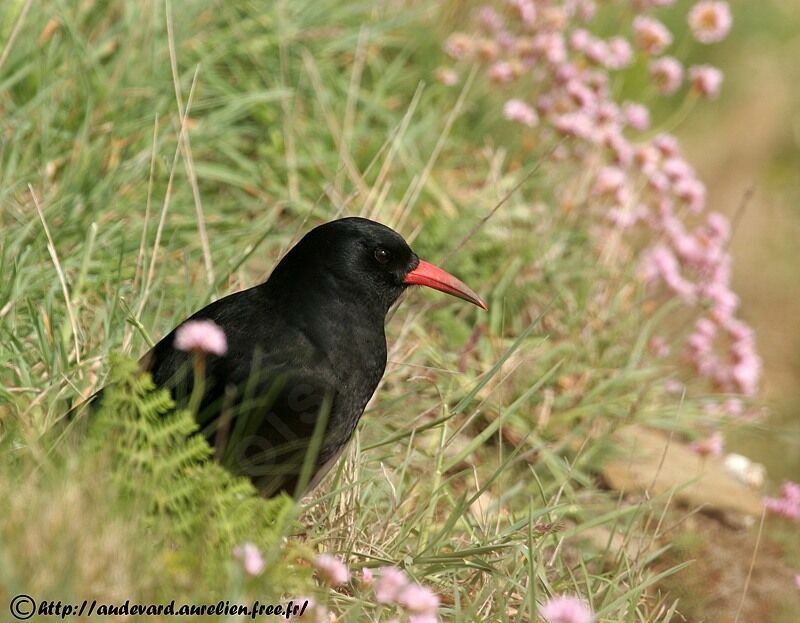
column 264, row 420
column 271, row 426
column 262, row 403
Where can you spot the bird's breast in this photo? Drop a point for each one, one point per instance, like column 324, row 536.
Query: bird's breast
column 358, row 375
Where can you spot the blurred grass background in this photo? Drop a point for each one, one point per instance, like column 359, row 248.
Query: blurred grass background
column 749, row 142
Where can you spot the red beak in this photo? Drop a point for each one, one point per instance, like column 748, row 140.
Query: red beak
column 426, row 274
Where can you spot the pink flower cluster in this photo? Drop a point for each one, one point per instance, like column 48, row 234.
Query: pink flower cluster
column 393, row 587
column 566, row 609
column 788, row 504
column 201, row 336
column 547, row 48
column 250, row 558
column 519, row 111
column 713, row 445
column 705, row 80
column 710, row 21
column 650, row 35
column 331, row 570
column 667, row 74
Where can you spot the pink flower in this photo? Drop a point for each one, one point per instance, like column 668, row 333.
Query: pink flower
column 597, row 51
column 459, row 46
column 565, row 74
column 667, row 73
column 700, row 344
column 659, row 346
column 575, row 124
column 332, row 570
column 706, row 327
column 667, row 145
column 710, row 446
column 566, row 609
column 693, row 193
column 782, row 506
column 525, row 10
column 551, row 46
column 660, row 262
column 579, row 39
column 519, row 111
column 620, row 53
column 585, row 9
column 598, row 82
column 788, row 504
column 718, row 226
column 606, row 114
column 250, row 557
column 676, row 168
column 621, row 149
column 390, row 584
column 447, row 76
column 723, row 299
column 425, row 617
column 747, row 373
column 501, row 72
column 636, row 115
column 791, row 491
column 620, row 218
column 797, row 580
column 488, row 49
column 201, row 336
column 583, row 96
column 738, row 330
column 710, row 21
column 490, row 19
column 706, row 80
column 650, row 35
column 418, row 598
column 367, row 578
column 505, row 39
column 609, row 180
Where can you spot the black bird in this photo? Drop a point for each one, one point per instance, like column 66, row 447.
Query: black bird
column 308, row 343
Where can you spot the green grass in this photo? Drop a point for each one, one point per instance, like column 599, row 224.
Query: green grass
column 173, row 161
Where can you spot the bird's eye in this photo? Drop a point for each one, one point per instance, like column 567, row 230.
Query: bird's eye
column 382, row 255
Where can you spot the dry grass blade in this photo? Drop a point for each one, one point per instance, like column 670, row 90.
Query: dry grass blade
column 51, row 248
column 187, row 148
column 165, row 206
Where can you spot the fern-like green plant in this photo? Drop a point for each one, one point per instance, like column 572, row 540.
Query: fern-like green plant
column 160, row 463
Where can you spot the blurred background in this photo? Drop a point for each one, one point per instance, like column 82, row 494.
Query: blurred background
column 746, row 147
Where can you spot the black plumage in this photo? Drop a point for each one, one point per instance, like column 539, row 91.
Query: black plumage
column 307, row 343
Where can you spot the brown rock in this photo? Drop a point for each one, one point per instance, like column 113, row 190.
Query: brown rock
column 652, row 462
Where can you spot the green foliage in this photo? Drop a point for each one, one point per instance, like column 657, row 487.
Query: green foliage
column 131, row 506
column 159, row 463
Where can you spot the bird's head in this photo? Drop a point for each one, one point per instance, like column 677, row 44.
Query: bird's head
column 369, row 262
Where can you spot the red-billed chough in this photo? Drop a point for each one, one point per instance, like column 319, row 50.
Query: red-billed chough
column 308, row 343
